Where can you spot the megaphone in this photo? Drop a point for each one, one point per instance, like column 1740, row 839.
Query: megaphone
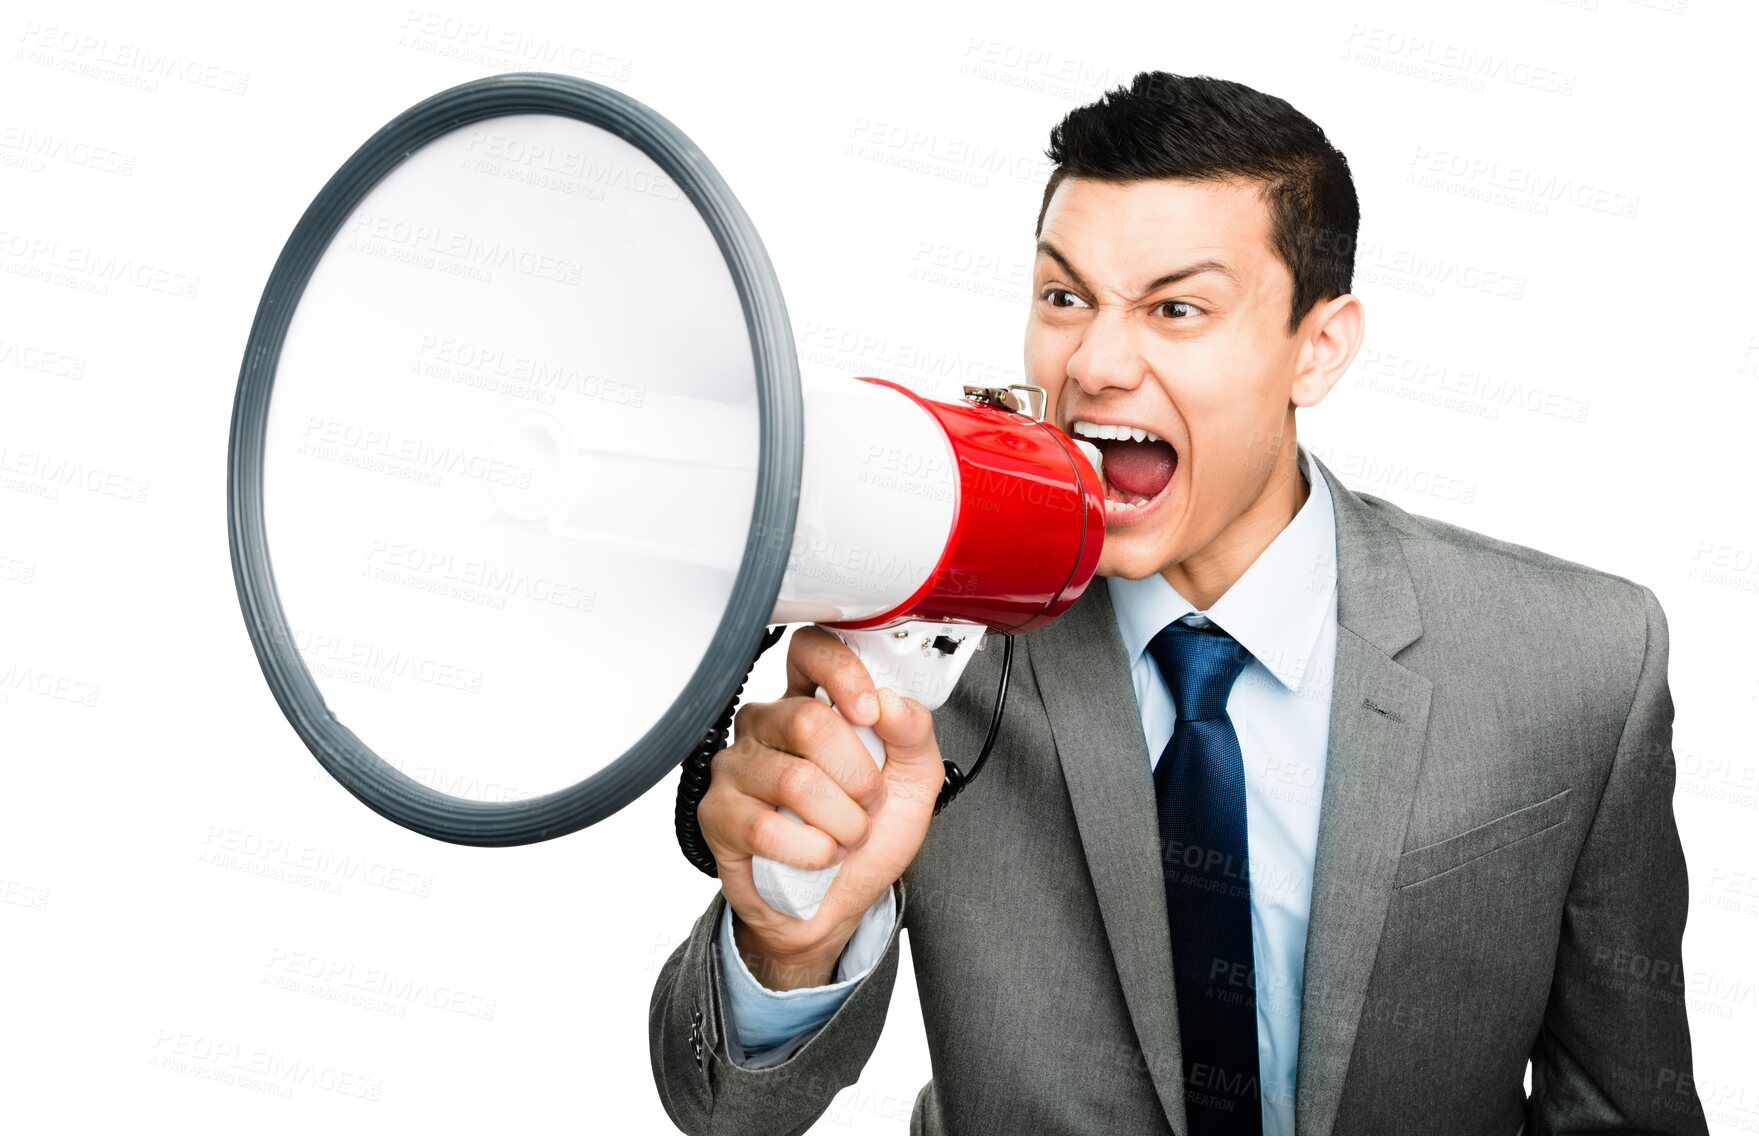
column 521, row 470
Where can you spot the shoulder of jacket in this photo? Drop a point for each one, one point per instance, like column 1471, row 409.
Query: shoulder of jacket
column 1466, row 558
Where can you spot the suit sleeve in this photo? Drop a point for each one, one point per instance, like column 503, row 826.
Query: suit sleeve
column 1613, row 1053
column 764, row 1026
column 692, row 1045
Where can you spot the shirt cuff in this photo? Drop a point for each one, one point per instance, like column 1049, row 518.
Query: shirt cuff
column 766, row 1026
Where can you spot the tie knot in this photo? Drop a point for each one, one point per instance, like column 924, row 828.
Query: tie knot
column 1200, row 665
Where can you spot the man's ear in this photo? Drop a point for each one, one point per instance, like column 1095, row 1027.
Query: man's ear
column 1331, row 334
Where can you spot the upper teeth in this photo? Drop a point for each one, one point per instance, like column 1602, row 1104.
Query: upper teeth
column 1085, row 429
column 1094, row 457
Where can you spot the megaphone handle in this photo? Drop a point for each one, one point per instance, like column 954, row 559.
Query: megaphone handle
column 798, row 891
column 920, row 660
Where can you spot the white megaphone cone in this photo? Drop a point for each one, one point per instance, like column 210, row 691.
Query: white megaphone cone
column 500, row 520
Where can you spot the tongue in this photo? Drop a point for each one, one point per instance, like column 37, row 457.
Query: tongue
column 1142, row 468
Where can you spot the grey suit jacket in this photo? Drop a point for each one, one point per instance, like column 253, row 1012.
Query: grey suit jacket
column 1499, row 878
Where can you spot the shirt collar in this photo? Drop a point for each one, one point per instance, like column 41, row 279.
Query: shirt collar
column 1275, row 610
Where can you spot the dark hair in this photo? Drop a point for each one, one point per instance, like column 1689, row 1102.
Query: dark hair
column 1204, row 129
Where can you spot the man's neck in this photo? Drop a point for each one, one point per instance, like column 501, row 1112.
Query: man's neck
column 1206, row 575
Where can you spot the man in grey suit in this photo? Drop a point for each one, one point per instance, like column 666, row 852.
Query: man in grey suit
column 1314, row 816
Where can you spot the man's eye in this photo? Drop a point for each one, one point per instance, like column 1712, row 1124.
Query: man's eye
column 1162, row 308
column 1063, row 298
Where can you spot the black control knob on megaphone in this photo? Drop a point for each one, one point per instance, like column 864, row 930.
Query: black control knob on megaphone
column 506, row 529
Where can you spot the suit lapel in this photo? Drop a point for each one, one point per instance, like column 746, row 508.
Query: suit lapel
column 1083, row 677
column 1379, row 720
column 1379, row 717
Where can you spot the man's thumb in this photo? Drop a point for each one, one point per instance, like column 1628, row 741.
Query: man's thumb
column 907, row 728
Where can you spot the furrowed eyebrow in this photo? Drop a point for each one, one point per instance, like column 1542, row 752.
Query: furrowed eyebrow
column 1050, row 250
column 1195, row 269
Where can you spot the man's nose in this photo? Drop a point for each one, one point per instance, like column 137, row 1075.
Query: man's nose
column 1108, row 357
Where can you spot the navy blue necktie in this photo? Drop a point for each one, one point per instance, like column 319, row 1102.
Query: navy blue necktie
column 1200, row 794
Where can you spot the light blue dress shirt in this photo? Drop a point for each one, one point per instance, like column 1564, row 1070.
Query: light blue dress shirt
column 1283, row 610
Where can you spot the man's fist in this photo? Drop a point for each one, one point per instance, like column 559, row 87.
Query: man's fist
column 799, row 753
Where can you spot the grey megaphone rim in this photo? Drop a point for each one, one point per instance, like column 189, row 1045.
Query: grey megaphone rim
column 369, row 777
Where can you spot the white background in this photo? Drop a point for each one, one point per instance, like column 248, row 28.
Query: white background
column 1557, row 263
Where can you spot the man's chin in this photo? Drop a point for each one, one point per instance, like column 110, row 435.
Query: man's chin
column 1125, row 575
column 1127, row 564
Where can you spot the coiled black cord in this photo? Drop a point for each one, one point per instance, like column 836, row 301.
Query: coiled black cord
column 693, row 783
column 955, row 780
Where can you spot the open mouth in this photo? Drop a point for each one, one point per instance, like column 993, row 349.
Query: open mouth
column 1136, row 465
